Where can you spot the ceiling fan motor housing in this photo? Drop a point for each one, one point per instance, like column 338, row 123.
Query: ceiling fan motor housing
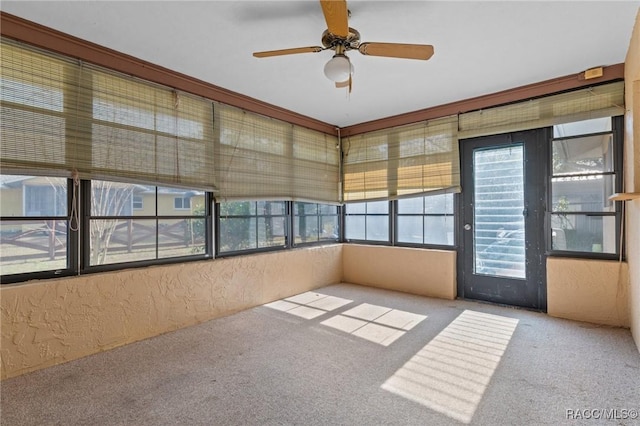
column 352, row 41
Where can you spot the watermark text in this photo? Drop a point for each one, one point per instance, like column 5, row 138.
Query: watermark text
column 601, row 413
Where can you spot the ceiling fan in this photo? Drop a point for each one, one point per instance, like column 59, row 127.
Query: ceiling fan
column 341, row 38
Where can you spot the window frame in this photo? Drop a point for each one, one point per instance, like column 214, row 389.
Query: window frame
column 72, row 248
column 424, row 216
column 617, row 132
column 229, row 253
column 390, row 217
column 87, row 217
column 318, row 216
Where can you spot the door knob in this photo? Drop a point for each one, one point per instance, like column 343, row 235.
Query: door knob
column 467, row 227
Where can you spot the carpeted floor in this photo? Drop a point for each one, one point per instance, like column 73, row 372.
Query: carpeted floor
column 347, row 355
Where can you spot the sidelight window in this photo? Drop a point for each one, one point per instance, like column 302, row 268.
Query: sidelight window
column 585, row 171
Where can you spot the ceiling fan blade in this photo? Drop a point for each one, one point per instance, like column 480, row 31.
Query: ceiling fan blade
column 266, row 54
column 397, row 50
column 336, row 15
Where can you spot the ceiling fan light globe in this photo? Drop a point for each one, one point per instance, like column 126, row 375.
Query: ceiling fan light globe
column 338, row 68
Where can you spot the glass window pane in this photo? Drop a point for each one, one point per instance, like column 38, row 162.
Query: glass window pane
column 112, row 198
column 33, row 196
column 375, row 207
column 327, row 209
column 503, row 255
column 310, row 225
column 596, row 125
column 411, row 205
column 185, row 237
column 498, row 234
column 310, row 238
column 589, row 154
column 197, row 200
column 143, row 200
column 305, row 208
column 410, row 229
column 237, row 234
column 122, row 240
column 238, row 208
column 33, row 246
column 355, row 227
column 264, row 225
column 377, row 228
column 426, row 226
column 180, row 202
column 271, row 231
column 439, row 230
column 270, row 208
column 576, row 232
column 330, row 229
column 356, row 208
column 583, row 193
column 438, row 204
column 306, row 228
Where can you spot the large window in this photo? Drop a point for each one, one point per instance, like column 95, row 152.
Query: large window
column 367, row 221
column 34, row 224
column 427, row 220
column 159, row 229
column 585, row 168
column 422, row 221
column 315, row 222
column 252, row 225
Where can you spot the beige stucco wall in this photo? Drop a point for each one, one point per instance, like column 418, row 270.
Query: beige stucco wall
column 632, row 174
column 588, row 290
column 424, row 272
column 53, row 321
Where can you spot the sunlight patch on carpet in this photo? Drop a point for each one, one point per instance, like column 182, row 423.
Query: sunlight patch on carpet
column 451, row 373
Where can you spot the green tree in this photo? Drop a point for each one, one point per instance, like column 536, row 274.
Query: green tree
column 196, row 229
column 235, row 225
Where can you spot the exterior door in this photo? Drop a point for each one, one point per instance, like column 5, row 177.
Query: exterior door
column 501, row 251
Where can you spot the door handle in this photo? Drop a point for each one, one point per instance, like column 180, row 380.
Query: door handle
column 467, row 227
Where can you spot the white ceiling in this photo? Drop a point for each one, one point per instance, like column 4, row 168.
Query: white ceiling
column 481, row 47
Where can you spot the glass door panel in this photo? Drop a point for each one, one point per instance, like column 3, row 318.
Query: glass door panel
column 498, row 230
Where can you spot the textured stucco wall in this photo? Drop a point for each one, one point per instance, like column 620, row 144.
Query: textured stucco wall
column 424, row 272
column 588, row 290
column 632, row 174
column 54, row 321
